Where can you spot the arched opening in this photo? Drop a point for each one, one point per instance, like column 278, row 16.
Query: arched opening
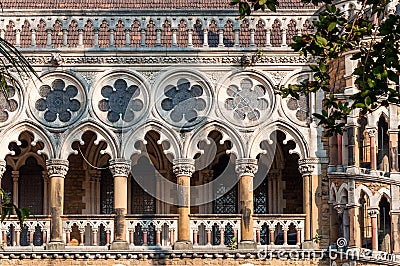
column 88, row 180
column 280, row 188
column 146, row 188
column 365, row 221
column 383, row 145
column 384, row 225
column 30, row 186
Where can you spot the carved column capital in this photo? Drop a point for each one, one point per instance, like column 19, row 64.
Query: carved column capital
column 120, row 167
column 183, row 167
column 340, row 208
column 3, row 168
column 246, row 166
column 373, row 212
column 371, row 132
column 57, row 167
column 306, row 169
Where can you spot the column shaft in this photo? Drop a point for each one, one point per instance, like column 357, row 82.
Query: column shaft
column 246, row 169
column 120, row 169
column 183, row 169
column 57, row 170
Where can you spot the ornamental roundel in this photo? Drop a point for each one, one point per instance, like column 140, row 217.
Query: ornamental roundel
column 183, row 99
column 120, row 100
column 10, row 107
column 245, row 99
column 58, row 101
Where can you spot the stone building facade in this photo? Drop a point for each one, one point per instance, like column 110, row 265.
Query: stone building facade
column 155, row 134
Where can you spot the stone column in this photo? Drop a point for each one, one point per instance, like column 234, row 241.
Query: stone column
column 339, row 167
column 393, row 150
column 395, row 219
column 120, row 169
column 373, row 213
column 183, row 169
column 15, row 193
column 309, row 169
column 246, row 169
column 57, row 170
column 355, row 232
column 372, row 133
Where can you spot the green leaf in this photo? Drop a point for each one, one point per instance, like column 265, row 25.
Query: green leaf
column 321, row 41
column 332, row 26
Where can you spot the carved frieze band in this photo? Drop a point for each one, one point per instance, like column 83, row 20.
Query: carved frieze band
column 120, row 167
column 140, row 60
column 183, row 167
column 246, row 166
column 57, row 167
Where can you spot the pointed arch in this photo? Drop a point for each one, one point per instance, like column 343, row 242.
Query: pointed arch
column 73, row 34
column 26, row 35
column 291, row 133
column 130, row 140
column 228, row 134
column 76, row 134
column 57, row 34
column 88, row 34
column 12, row 133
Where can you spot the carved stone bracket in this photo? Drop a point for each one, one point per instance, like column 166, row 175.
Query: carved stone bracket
column 246, row 166
column 183, row 167
column 308, row 166
column 373, row 212
column 340, row 208
column 57, row 167
column 120, row 167
column 371, row 132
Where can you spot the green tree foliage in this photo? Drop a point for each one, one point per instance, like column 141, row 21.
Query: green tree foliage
column 370, row 33
column 8, row 208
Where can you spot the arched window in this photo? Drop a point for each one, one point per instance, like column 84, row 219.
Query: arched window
column 226, row 197
column 30, row 186
column 384, row 231
column 383, row 145
column 142, row 202
column 106, row 192
column 365, row 222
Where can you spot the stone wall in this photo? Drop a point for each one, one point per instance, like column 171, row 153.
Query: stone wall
column 176, row 261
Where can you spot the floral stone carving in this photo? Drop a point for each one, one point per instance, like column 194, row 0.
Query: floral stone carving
column 58, row 101
column 183, row 101
column 120, row 101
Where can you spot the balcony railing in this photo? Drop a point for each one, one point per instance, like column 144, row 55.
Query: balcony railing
column 152, row 231
column 88, row 230
column 35, row 232
column 129, row 30
column 214, row 229
column 279, row 229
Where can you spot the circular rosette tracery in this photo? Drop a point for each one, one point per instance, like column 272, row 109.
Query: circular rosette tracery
column 245, row 100
column 120, row 100
column 184, row 100
column 9, row 107
column 58, row 101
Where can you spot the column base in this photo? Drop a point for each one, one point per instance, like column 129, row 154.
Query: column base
column 55, row 246
column 247, row 245
column 309, row 244
column 119, row 245
column 183, row 245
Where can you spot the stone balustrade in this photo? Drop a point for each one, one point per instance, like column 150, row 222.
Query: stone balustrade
column 279, row 229
column 35, row 232
column 151, row 231
column 214, row 230
column 93, row 230
column 130, row 30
